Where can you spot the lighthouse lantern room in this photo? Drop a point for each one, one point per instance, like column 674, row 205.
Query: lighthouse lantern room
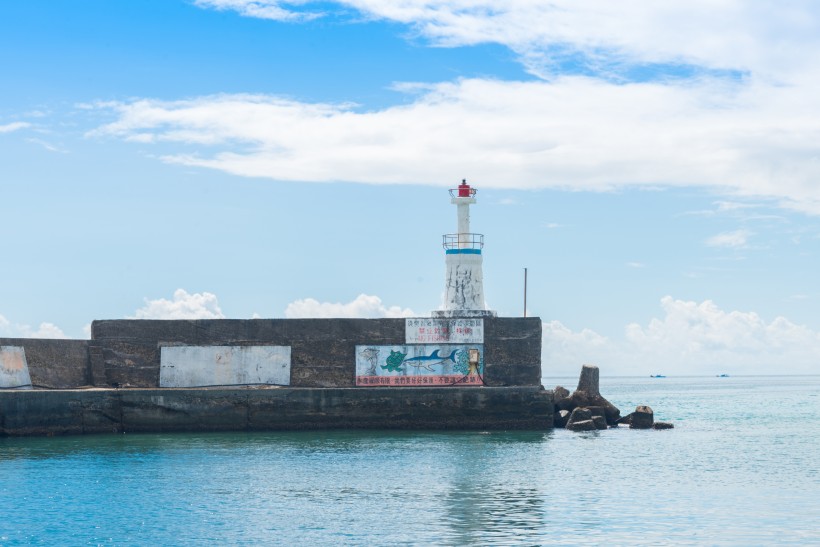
column 464, row 290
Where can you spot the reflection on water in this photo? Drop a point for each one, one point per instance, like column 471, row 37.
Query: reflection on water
column 733, row 471
column 478, row 506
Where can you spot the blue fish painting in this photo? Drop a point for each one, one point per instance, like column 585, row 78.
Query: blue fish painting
column 427, row 361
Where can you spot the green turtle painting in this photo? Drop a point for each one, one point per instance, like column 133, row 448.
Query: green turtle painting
column 394, row 361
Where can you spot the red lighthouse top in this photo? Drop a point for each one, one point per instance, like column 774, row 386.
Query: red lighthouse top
column 464, row 190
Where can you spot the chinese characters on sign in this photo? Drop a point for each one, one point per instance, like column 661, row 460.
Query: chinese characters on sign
column 425, row 330
column 417, row 381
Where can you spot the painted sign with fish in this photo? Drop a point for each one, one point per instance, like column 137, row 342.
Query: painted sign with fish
column 420, row 365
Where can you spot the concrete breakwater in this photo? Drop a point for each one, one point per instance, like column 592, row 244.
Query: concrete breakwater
column 60, row 412
column 135, row 375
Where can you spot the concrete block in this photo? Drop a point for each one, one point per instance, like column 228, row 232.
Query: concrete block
column 13, row 367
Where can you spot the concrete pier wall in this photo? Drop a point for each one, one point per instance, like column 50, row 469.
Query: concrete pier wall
column 61, row 412
column 126, row 353
column 120, row 369
column 55, row 364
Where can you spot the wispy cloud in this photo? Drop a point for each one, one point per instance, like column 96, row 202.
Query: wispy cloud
column 14, row 126
column 734, row 240
column 278, row 10
column 47, row 145
column 724, row 206
column 755, row 209
column 751, row 37
column 636, row 264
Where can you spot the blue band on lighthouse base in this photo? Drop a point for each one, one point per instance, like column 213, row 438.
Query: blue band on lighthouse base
column 463, row 251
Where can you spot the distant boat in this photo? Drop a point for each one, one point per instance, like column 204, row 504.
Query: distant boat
column 722, row 375
column 657, row 376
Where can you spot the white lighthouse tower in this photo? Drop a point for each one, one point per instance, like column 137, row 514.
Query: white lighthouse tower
column 464, row 292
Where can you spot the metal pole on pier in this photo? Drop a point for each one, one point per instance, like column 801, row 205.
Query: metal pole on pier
column 525, row 292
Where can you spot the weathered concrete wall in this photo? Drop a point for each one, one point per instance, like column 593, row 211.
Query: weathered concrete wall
column 513, row 351
column 323, row 351
column 155, row 410
column 54, row 364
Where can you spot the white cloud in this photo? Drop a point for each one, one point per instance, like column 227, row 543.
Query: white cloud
column 690, row 338
column 13, row 126
column 746, row 139
column 743, row 35
column 277, row 10
column 564, row 351
column 363, row 306
column 183, row 306
column 724, row 206
column 636, row 264
column 734, row 240
column 751, row 136
column 750, row 133
column 16, row 330
column 45, row 330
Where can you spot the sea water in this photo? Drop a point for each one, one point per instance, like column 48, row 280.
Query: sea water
column 741, row 467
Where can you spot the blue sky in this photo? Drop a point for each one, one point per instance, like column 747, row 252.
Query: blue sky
column 654, row 166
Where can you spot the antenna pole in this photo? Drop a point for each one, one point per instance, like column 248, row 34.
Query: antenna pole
column 525, row 292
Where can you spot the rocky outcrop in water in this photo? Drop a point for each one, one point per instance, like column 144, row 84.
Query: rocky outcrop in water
column 586, row 419
column 560, row 418
column 560, row 393
column 642, row 418
column 586, row 409
column 586, row 395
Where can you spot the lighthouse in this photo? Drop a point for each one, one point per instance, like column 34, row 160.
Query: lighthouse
column 464, row 280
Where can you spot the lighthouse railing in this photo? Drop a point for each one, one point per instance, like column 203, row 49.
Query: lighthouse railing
column 463, row 241
column 462, row 193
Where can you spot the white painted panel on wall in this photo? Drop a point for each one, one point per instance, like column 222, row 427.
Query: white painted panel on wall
column 199, row 366
column 13, row 367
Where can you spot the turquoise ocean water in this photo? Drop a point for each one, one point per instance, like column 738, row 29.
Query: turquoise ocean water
column 741, row 467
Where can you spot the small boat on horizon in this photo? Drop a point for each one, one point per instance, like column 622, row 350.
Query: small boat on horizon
column 657, row 376
column 722, row 375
